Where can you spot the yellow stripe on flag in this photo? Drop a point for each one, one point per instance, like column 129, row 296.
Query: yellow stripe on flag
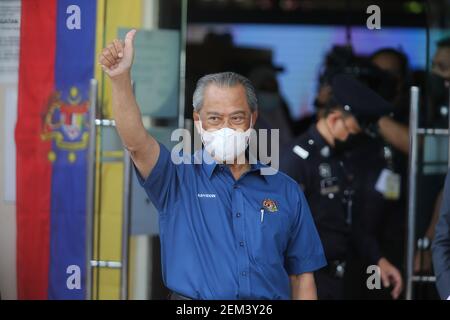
column 111, row 15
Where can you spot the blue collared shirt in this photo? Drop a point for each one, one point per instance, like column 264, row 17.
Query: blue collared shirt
column 216, row 243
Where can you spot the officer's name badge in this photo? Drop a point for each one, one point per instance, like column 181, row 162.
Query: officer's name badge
column 270, row 205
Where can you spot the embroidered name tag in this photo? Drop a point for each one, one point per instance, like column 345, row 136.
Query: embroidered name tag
column 206, row 195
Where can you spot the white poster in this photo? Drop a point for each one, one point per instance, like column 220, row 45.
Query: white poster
column 9, row 152
column 9, row 40
column 9, row 68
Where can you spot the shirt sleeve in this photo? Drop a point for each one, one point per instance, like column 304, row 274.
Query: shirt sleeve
column 163, row 183
column 304, row 252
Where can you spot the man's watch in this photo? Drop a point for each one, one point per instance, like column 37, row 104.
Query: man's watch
column 424, row 243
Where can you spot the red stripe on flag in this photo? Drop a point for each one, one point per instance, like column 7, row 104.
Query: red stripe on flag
column 36, row 84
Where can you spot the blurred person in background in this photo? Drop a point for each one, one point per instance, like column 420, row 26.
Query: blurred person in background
column 393, row 148
column 320, row 162
column 439, row 86
column 441, row 245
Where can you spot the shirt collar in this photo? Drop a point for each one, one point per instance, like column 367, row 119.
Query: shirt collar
column 319, row 140
column 316, row 136
column 209, row 164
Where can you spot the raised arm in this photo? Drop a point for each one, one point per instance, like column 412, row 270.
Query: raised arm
column 395, row 133
column 116, row 60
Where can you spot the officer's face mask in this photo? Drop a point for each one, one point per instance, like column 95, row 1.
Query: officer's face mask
column 350, row 142
column 353, row 140
column 225, row 144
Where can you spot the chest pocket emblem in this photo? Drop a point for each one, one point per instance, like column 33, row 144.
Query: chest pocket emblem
column 270, row 205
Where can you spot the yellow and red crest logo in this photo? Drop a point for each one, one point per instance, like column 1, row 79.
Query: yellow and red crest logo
column 270, row 205
column 65, row 122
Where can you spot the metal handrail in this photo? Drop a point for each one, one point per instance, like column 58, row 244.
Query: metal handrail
column 90, row 188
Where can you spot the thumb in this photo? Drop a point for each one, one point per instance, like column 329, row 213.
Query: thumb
column 129, row 38
column 398, row 285
column 385, row 279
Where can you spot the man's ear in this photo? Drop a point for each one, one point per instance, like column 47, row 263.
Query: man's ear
column 196, row 118
column 333, row 117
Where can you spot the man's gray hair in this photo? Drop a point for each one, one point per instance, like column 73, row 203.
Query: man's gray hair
column 224, row 79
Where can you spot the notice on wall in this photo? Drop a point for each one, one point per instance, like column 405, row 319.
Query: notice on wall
column 9, row 40
column 9, row 70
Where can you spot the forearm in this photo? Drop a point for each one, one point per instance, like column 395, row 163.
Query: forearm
column 143, row 148
column 303, row 287
column 395, row 133
column 126, row 113
column 116, row 60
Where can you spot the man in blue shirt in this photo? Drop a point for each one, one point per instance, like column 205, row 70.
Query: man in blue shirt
column 227, row 230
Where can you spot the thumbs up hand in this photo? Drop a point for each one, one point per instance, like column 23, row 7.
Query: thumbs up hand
column 117, row 57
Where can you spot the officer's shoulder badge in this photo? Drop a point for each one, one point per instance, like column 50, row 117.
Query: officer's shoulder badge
column 270, row 205
column 302, row 153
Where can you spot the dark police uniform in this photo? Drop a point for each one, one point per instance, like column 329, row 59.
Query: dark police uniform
column 372, row 216
column 329, row 184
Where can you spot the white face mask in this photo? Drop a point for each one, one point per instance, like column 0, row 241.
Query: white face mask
column 226, row 144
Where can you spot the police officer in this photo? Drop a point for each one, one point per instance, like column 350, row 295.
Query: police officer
column 318, row 161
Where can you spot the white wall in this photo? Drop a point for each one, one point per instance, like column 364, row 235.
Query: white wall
column 8, row 288
column 8, row 89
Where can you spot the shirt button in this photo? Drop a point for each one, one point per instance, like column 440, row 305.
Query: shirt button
column 241, row 243
column 221, row 168
column 238, row 214
column 244, row 273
